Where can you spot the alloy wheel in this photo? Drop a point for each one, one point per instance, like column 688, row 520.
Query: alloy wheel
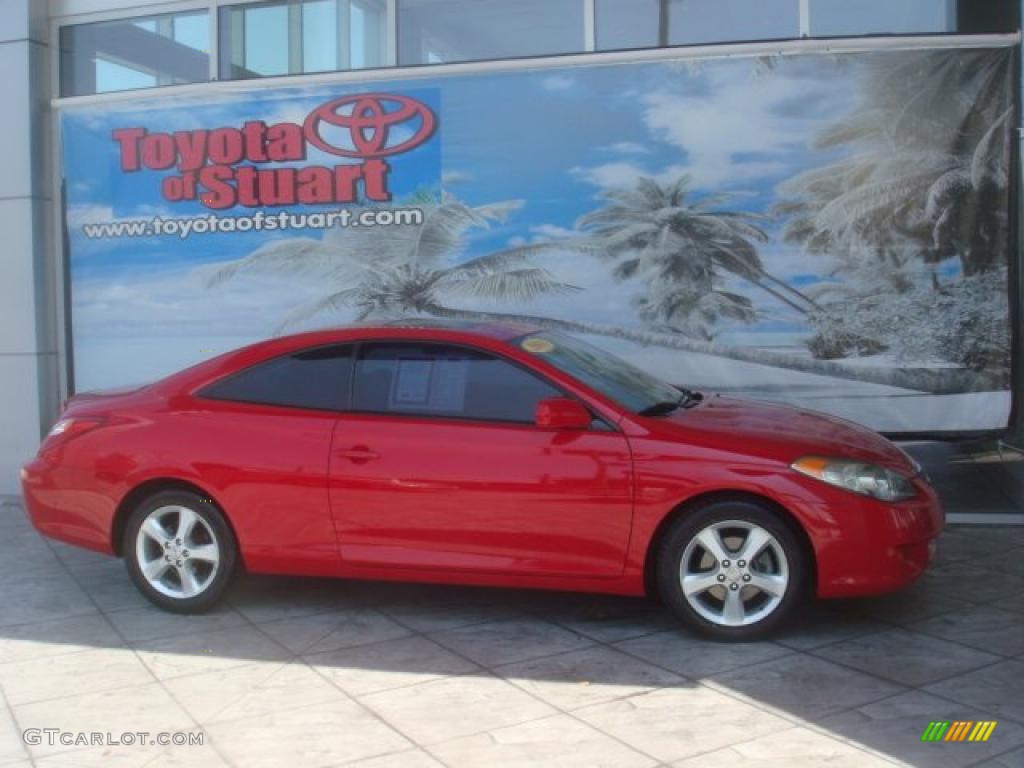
column 734, row 573
column 177, row 551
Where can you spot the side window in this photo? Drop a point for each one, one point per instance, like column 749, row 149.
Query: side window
column 314, row 378
column 438, row 380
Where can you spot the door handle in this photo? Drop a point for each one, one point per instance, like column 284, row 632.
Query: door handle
column 359, row 454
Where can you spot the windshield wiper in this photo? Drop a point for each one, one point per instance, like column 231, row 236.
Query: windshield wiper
column 660, row 408
column 687, row 399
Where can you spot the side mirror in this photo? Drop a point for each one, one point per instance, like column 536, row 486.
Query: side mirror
column 562, row 413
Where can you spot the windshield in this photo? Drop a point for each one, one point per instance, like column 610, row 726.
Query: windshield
column 629, row 386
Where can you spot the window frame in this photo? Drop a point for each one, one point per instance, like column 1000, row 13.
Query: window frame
column 597, row 424
column 951, row 5
column 345, row 388
column 587, row 41
column 803, row 31
column 59, row 23
column 295, row 30
column 70, row 13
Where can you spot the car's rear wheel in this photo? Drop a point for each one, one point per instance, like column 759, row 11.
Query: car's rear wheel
column 180, row 551
column 732, row 570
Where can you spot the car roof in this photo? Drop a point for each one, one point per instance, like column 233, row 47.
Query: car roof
column 497, row 330
column 446, row 330
column 502, row 330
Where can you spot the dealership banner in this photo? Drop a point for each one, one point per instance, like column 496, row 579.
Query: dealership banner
column 827, row 230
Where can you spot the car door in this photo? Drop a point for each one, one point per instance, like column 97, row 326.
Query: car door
column 439, row 465
column 262, row 438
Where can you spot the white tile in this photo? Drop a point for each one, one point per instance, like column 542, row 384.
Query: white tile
column 58, row 637
column 251, row 690
column 558, row 740
column 389, row 664
column 152, row 623
column 694, row 657
column 41, row 596
column 791, row 748
column 674, row 723
column 413, row 758
column 208, row 651
column 71, row 674
column 894, row 727
column 504, row 642
column 12, row 747
column 322, row 735
column 137, row 756
column 337, row 629
column 581, row 678
column 139, row 708
column 803, row 686
column 455, row 706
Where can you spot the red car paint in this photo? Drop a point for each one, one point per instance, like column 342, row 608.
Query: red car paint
column 424, row 499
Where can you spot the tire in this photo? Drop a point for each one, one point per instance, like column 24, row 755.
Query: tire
column 180, row 569
column 769, row 588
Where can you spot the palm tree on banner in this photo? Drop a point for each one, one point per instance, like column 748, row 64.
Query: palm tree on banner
column 929, row 167
column 683, row 249
column 390, row 272
column 394, row 271
column 925, row 180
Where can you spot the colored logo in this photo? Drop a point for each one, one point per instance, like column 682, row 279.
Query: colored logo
column 369, row 119
column 958, row 730
column 258, row 165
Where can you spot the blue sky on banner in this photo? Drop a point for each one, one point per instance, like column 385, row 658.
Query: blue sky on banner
column 554, row 138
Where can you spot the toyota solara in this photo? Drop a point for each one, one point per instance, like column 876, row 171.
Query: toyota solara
column 486, row 454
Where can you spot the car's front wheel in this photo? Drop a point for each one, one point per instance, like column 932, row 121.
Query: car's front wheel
column 732, row 570
column 180, row 551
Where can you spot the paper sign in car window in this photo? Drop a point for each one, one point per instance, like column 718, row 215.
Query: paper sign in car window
column 448, row 386
column 412, row 383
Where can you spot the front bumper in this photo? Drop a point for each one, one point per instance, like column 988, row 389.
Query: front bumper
column 877, row 547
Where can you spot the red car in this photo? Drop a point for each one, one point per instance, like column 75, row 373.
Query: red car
column 480, row 454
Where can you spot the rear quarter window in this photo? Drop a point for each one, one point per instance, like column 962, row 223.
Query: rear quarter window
column 316, row 379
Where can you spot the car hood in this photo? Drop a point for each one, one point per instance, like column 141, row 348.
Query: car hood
column 779, row 432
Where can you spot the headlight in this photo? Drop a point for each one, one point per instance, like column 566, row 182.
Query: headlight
column 857, row 476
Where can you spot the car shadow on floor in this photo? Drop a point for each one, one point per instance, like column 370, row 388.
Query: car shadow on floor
column 439, row 664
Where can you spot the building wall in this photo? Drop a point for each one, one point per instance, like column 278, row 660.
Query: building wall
column 28, row 341
column 31, row 304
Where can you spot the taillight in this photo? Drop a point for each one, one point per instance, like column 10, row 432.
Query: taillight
column 69, row 428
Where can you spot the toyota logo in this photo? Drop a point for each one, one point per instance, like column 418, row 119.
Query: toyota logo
column 369, row 122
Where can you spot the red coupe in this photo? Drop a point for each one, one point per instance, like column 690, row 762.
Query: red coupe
column 480, row 454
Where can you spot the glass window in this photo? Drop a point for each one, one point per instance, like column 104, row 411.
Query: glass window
column 438, row 31
column 438, row 380
column 315, row 378
column 288, row 38
column 650, row 23
column 869, row 17
column 613, row 377
column 135, row 53
column 988, row 16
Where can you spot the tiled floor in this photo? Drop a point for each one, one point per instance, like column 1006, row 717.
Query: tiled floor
column 303, row 673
